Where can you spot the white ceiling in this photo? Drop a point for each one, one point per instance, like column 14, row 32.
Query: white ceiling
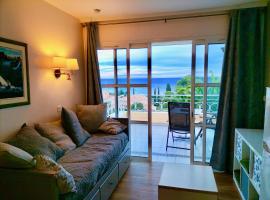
column 126, row 9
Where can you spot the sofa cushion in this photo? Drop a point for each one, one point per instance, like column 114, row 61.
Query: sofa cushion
column 32, row 142
column 92, row 116
column 56, row 133
column 73, row 127
column 65, row 180
column 13, row 157
column 112, row 126
column 89, row 162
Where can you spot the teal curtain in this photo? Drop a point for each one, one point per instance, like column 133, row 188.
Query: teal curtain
column 93, row 85
column 242, row 83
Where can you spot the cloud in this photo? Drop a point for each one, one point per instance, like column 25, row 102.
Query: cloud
column 167, row 61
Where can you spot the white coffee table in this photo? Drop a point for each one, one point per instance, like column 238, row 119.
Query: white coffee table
column 187, row 182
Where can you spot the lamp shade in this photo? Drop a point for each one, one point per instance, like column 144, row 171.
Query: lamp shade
column 59, row 62
column 72, row 64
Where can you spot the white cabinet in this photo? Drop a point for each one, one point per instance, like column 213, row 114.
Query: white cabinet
column 248, row 162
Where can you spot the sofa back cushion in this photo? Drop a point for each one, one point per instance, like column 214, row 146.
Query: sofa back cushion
column 73, row 127
column 32, row 142
column 56, row 133
column 64, row 179
column 92, row 116
column 13, row 157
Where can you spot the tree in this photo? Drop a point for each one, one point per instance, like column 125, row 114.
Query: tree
column 137, row 106
column 168, row 87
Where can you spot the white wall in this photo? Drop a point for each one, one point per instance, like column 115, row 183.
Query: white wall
column 212, row 27
column 48, row 32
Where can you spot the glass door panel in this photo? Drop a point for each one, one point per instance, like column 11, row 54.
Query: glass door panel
column 122, row 102
column 121, row 55
column 139, row 92
column 210, row 132
column 109, row 98
column 208, row 59
column 215, row 61
column 212, row 105
column 139, row 121
column 199, row 68
column 139, row 66
column 171, row 82
column 106, row 66
column 138, row 104
column 198, row 105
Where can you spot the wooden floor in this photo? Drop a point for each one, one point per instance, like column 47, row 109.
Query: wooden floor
column 141, row 183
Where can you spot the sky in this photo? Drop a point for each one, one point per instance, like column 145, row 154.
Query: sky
column 168, row 61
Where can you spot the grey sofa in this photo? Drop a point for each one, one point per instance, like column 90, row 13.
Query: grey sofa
column 97, row 166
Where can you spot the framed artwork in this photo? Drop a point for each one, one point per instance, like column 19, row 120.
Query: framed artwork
column 14, row 75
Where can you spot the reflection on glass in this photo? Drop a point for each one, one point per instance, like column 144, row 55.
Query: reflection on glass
column 121, row 66
column 198, row 105
column 138, row 66
column 106, row 66
column 199, row 68
column 198, row 144
column 122, row 102
column 209, row 143
column 212, row 105
column 138, row 104
column 109, row 98
column 215, row 61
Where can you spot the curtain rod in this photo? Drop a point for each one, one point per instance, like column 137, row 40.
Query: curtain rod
column 226, row 11
column 165, row 19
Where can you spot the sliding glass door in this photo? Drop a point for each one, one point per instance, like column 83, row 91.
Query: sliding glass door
column 125, row 76
column 138, row 82
column 140, row 90
column 171, row 82
column 206, row 73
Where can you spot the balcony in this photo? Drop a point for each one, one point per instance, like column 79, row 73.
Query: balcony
column 139, row 127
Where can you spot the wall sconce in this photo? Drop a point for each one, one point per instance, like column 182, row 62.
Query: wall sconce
column 67, row 64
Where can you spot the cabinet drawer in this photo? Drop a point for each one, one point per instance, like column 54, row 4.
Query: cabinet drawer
column 124, row 164
column 96, row 196
column 109, row 185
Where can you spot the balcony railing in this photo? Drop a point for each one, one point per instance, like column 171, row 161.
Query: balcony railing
column 160, row 103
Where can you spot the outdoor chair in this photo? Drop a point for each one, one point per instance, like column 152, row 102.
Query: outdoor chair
column 179, row 123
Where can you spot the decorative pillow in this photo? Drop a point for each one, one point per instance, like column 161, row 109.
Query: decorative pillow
column 92, row 116
column 73, row 127
column 56, row 133
column 32, row 142
column 112, row 126
column 65, row 180
column 13, row 157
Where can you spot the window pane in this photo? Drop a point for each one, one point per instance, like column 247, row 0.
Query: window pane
column 209, row 143
column 198, row 105
column 138, row 104
column 109, row 98
column 199, row 68
column 106, row 66
column 215, row 61
column 212, row 105
column 171, row 76
column 122, row 66
column 198, row 144
column 138, row 66
column 122, row 102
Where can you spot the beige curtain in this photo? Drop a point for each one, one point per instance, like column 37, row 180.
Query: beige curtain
column 93, row 85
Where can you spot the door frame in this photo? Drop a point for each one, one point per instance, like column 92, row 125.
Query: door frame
column 205, row 86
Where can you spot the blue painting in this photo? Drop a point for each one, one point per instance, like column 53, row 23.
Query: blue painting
column 14, row 85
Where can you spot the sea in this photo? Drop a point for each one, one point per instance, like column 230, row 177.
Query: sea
column 157, row 84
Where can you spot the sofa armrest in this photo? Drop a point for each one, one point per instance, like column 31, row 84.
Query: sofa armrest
column 124, row 121
column 28, row 184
